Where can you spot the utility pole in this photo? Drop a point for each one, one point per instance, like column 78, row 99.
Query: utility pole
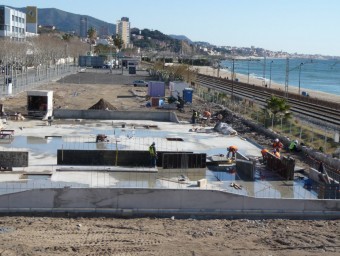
column 248, row 69
column 287, row 78
column 232, row 82
column 264, row 69
column 270, row 73
column 300, row 75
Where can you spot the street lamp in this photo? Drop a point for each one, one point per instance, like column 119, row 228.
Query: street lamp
column 270, row 73
column 300, row 75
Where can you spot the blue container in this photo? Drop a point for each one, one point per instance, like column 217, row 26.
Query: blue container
column 187, row 95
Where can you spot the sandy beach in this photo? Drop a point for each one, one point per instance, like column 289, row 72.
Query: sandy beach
column 224, row 73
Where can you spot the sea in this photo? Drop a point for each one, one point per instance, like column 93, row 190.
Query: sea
column 312, row 74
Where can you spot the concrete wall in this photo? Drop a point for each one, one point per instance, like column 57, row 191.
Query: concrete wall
column 13, row 159
column 162, row 116
column 246, row 169
column 161, row 202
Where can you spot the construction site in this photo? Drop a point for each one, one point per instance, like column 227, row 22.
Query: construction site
column 84, row 151
column 59, row 151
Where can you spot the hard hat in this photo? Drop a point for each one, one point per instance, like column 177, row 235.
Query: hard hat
column 296, row 141
column 276, row 140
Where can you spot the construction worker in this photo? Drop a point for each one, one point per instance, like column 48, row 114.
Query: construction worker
column 194, row 116
column 232, row 150
column 153, row 154
column 264, row 152
column 207, row 115
column 276, row 153
column 101, row 138
column 277, row 144
column 323, row 175
column 293, row 146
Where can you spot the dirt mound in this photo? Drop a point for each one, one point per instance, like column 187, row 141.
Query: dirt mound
column 103, row 105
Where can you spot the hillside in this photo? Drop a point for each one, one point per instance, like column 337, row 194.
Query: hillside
column 181, row 38
column 67, row 22
column 154, row 39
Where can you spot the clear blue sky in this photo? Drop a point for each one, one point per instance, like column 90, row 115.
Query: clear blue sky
column 302, row 26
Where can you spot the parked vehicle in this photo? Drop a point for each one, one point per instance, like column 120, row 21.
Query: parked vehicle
column 140, row 83
column 108, row 66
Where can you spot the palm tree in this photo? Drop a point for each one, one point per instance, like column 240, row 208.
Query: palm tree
column 118, row 42
column 277, row 107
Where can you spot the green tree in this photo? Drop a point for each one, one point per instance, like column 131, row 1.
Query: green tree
column 118, row 42
column 92, row 33
column 277, row 107
column 67, row 37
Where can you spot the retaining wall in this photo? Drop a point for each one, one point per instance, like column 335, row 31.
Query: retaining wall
column 162, row 202
column 162, row 116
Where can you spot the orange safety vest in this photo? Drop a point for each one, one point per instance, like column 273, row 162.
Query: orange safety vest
column 277, row 145
column 264, row 151
column 206, row 114
column 233, row 148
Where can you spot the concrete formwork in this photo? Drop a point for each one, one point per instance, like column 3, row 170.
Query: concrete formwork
column 161, row 202
column 13, row 159
column 130, row 158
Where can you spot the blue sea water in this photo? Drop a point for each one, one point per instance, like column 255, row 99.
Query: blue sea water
column 315, row 74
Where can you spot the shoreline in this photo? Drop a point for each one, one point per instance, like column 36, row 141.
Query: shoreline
column 206, row 70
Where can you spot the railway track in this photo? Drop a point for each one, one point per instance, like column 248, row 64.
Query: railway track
column 324, row 115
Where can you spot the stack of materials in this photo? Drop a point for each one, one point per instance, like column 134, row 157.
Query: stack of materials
column 225, row 129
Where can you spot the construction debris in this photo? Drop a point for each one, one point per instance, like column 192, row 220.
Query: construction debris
column 235, row 186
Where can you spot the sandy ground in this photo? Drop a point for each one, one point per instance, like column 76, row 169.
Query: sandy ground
column 148, row 236
column 110, row 236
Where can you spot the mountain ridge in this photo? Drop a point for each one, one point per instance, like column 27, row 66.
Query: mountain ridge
column 70, row 22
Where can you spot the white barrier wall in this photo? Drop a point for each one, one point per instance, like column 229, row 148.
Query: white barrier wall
column 161, row 202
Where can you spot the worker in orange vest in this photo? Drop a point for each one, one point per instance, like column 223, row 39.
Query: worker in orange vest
column 277, row 144
column 207, row 115
column 264, row 152
column 232, row 150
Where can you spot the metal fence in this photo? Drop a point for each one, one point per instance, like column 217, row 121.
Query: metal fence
column 294, row 128
column 31, row 78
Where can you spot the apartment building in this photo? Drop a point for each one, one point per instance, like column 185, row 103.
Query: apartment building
column 83, row 27
column 123, row 30
column 12, row 23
